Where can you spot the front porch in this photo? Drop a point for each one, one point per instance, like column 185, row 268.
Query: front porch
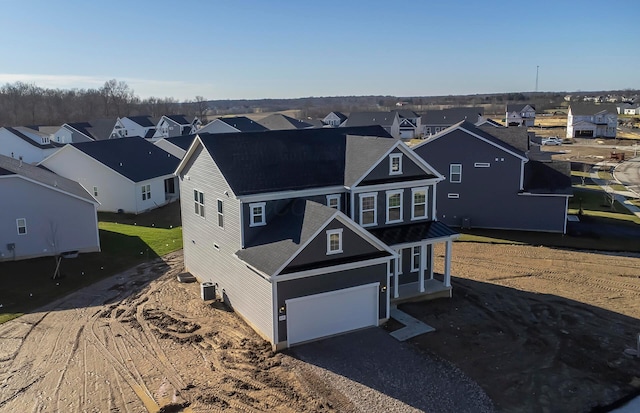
column 409, row 292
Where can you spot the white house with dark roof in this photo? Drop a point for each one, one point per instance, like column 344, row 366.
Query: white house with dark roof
column 313, row 232
column 591, row 121
column 334, row 119
column 43, row 214
column 129, row 126
column 178, row 145
column 232, row 124
column 390, row 121
column 519, row 114
column 278, row 121
column 125, row 175
column 170, row 126
column 76, row 132
column 410, row 125
column 27, row 144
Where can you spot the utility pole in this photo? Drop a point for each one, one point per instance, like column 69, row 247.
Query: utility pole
column 537, row 69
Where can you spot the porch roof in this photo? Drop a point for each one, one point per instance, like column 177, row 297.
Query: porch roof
column 421, row 231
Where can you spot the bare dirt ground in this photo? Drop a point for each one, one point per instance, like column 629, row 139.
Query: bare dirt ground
column 142, row 342
column 539, row 329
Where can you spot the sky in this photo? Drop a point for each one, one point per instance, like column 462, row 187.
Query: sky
column 251, row 49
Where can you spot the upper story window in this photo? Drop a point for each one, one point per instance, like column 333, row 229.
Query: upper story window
column 257, row 214
column 395, row 164
column 334, row 241
column 368, row 210
column 394, row 206
column 95, row 191
column 418, row 203
column 146, row 192
column 21, row 223
column 220, row 214
column 333, row 201
column 455, row 173
column 198, row 198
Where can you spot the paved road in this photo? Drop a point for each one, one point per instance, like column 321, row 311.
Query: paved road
column 379, row 374
column 628, row 173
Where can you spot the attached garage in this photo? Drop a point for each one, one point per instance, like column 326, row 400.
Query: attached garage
column 334, row 312
column 407, row 134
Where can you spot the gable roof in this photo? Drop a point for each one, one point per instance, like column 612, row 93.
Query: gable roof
column 491, row 122
column 548, row 177
column 272, row 161
column 516, row 137
column 184, row 141
column 517, row 107
column 384, row 119
column 134, row 158
column 451, row 116
column 21, row 132
column 361, row 154
column 406, row 113
column 278, row 121
column 340, row 115
column 479, row 133
column 243, row 124
column 11, row 166
column 98, row 129
column 587, row 109
column 179, row 119
column 145, row 121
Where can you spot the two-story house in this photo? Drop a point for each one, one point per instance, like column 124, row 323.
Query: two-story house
column 410, row 125
column 434, row 121
column 170, row 126
column 390, row 121
column 26, row 144
column 591, row 121
column 75, row 132
column 334, row 119
column 129, row 126
column 314, row 232
column 519, row 114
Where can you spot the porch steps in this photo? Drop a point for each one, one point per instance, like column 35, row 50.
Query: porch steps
column 413, row 326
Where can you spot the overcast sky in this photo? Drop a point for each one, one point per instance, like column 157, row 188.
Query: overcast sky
column 239, row 49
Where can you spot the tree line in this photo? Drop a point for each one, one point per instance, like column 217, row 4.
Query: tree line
column 25, row 104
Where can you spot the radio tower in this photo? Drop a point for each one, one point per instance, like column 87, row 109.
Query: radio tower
column 537, row 68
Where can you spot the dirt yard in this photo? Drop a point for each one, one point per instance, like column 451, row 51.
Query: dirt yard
column 537, row 328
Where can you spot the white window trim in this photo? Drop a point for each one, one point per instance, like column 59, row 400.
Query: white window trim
column 200, row 212
column 482, row 165
column 252, row 217
column 375, row 208
column 220, row 202
column 453, row 196
column 18, row 226
column 146, row 192
column 95, row 191
column 451, row 173
column 389, row 195
column 331, row 198
column 413, row 261
column 413, row 203
column 399, row 262
column 329, row 234
column 393, row 157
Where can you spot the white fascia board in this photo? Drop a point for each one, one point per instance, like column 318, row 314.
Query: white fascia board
column 374, row 164
column 438, row 135
column 352, row 225
column 272, row 196
column 551, row 195
column 194, row 145
column 335, row 268
column 395, row 185
column 55, row 188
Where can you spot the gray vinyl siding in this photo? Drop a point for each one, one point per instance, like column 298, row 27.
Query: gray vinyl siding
column 330, row 282
column 353, row 246
column 381, row 171
column 381, row 206
column 52, row 217
column 245, row 290
column 408, row 276
column 488, row 197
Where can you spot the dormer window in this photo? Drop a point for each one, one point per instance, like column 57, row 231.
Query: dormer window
column 395, row 164
column 333, row 201
column 334, row 241
column 257, row 214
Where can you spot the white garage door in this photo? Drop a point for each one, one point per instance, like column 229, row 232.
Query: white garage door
column 406, row 134
column 334, row 312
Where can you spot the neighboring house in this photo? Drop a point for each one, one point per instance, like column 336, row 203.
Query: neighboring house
column 592, row 121
column 434, row 121
column 177, row 146
column 94, row 130
column 334, row 119
column 232, row 124
column 490, row 122
column 620, row 108
column 491, row 183
column 390, row 121
column 27, row 144
column 43, row 214
column 142, row 126
column 278, row 121
column 632, row 110
column 170, row 126
column 410, row 124
column 314, row 232
column 519, row 114
column 125, row 175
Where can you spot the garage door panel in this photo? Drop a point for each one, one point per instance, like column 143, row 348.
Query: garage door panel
column 330, row 313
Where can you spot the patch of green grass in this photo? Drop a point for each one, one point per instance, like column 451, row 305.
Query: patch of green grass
column 154, row 241
column 595, row 201
column 9, row 316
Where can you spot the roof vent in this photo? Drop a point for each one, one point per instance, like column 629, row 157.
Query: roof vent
column 120, row 163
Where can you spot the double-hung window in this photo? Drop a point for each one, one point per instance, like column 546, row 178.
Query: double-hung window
column 21, row 223
column 198, row 198
column 333, row 201
column 334, row 241
column 394, row 206
column 146, row 192
column 257, row 214
column 418, row 203
column 220, row 214
column 415, row 259
column 368, row 211
column 395, row 164
column 455, row 173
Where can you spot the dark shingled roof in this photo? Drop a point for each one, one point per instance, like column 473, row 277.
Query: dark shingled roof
column 179, row 119
column 135, row 158
column 371, row 118
column 184, row 141
column 548, row 177
column 586, row 109
column 516, row 137
column 340, row 115
column 452, row 116
column 11, row 166
column 144, row 121
column 259, row 162
column 406, row 113
column 243, row 124
column 412, row 232
column 98, row 129
column 517, row 107
column 30, row 141
column 278, row 121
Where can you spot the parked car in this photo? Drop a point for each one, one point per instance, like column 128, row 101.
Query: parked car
column 553, row 140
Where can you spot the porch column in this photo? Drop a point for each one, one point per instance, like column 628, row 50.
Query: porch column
column 396, row 270
column 447, row 264
column 423, row 266
column 431, row 261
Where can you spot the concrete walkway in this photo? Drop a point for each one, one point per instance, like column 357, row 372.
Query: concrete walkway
column 620, row 196
column 413, row 327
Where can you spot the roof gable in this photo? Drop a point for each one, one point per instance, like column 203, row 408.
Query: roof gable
column 243, row 124
column 279, row 121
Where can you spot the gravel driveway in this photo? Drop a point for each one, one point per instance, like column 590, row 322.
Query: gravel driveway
column 379, row 374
